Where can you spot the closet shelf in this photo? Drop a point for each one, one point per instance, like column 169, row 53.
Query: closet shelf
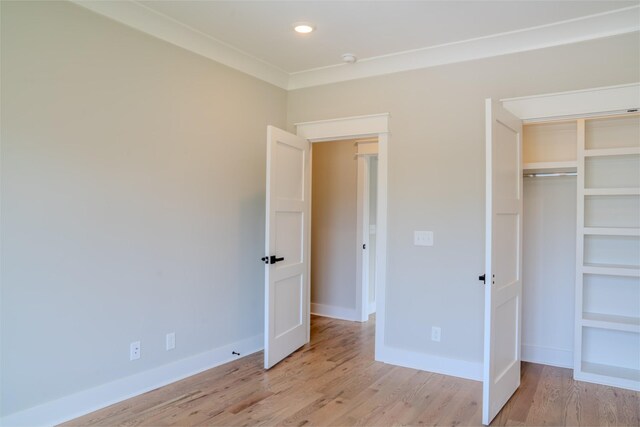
column 611, row 231
column 612, row 152
column 550, row 167
column 596, row 372
column 611, row 270
column 632, row 191
column 611, row 322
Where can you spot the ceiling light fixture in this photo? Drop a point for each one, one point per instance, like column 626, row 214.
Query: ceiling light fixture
column 303, row 27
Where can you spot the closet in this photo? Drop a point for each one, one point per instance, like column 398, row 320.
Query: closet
column 581, row 264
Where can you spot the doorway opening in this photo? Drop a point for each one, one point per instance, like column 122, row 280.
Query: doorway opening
column 288, row 229
column 343, row 228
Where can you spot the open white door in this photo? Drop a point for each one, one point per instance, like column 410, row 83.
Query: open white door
column 503, row 264
column 286, row 318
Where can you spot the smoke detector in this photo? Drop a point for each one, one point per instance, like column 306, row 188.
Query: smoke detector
column 349, row 58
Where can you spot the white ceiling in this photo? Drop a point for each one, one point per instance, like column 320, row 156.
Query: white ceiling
column 256, row 37
column 263, row 29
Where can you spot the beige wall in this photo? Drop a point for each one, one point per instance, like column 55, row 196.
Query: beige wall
column 133, row 177
column 436, row 173
column 333, row 224
column 133, row 193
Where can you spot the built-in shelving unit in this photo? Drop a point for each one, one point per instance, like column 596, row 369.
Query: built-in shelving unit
column 608, row 251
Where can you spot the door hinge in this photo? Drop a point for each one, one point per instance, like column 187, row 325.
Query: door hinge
column 483, row 279
column 364, row 246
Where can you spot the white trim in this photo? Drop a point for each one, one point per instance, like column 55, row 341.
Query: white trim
column 581, row 29
column 335, row 312
column 86, row 401
column 547, row 356
column 345, row 127
column 375, row 125
column 426, row 362
column 575, row 103
column 372, row 307
column 150, row 21
column 606, row 380
column 381, row 242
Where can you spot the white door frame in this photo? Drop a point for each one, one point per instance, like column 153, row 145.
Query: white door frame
column 371, row 126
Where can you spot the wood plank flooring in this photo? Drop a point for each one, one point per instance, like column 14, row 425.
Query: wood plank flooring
column 334, row 381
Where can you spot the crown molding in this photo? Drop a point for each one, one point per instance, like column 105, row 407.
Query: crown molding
column 142, row 18
column 591, row 27
column 575, row 103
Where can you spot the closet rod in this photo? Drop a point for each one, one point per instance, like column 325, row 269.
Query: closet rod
column 546, row 174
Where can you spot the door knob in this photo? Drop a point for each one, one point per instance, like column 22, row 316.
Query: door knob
column 271, row 260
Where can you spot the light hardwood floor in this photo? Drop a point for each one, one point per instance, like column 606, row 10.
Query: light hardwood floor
column 334, row 381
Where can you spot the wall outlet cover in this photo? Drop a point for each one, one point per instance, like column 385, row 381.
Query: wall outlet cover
column 134, row 350
column 170, row 342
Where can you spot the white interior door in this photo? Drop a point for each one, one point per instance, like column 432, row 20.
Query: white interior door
column 503, row 264
column 286, row 245
column 362, row 240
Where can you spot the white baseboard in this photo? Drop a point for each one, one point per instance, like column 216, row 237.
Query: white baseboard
column 335, row 312
column 372, row 307
column 86, row 401
column 547, row 356
column 430, row 363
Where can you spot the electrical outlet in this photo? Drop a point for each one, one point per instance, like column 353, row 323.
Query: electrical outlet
column 171, row 341
column 134, row 350
column 435, row 333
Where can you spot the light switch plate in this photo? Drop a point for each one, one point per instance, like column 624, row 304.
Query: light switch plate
column 423, row 238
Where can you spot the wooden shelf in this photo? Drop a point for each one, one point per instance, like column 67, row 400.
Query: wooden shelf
column 550, row 167
column 612, row 152
column 632, row 191
column 609, row 375
column 611, row 322
column 611, row 270
column 611, row 231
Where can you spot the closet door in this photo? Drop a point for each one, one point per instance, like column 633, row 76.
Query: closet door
column 503, row 263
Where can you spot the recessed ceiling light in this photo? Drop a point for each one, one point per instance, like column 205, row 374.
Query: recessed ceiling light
column 303, row 27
